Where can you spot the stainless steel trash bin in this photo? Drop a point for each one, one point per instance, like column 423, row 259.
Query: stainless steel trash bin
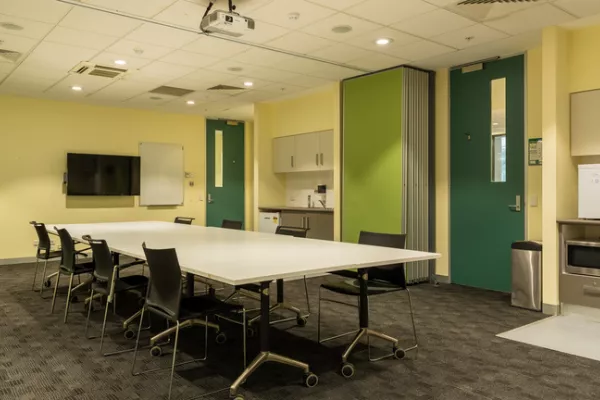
column 527, row 275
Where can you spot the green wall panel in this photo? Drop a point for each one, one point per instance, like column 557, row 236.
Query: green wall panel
column 372, row 154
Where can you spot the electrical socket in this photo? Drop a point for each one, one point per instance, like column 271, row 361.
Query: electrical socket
column 35, row 243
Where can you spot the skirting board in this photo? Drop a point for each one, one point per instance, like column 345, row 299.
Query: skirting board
column 550, row 309
column 11, row 261
column 442, row 279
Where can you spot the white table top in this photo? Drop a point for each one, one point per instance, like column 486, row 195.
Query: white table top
column 241, row 257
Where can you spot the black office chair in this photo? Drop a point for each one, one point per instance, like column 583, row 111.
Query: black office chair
column 381, row 280
column 164, row 299
column 253, row 290
column 229, row 224
column 69, row 266
column 44, row 253
column 108, row 283
column 184, row 220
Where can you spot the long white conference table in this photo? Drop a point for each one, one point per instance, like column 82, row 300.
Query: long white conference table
column 240, row 257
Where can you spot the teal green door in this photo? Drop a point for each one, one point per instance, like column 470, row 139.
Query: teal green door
column 487, row 168
column 224, row 171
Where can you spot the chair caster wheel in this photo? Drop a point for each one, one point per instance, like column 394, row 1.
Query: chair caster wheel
column 47, row 283
column 250, row 332
column 347, row 370
column 238, row 397
column 156, row 351
column 221, row 338
column 130, row 333
column 301, row 321
column 399, row 354
column 310, row 380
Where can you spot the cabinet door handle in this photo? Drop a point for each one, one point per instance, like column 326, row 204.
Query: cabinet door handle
column 307, row 223
column 303, row 222
column 322, row 159
column 292, row 158
column 317, row 159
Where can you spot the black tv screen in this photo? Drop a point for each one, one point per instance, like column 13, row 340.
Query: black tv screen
column 102, row 175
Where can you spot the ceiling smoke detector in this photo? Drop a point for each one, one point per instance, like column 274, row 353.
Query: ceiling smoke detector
column 341, row 29
column 294, row 16
column 235, row 69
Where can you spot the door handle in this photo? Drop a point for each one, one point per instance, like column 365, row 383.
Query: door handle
column 317, row 159
column 292, row 158
column 210, row 200
column 321, row 158
column 516, row 207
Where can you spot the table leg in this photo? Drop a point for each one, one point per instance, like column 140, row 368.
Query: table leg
column 189, row 288
column 281, row 304
column 265, row 354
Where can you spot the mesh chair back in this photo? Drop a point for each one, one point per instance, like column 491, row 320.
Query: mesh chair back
column 229, row 224
column 103, row 260
column 164, row 292
column 184, row 220
column 43, row 237
column 390, row 273
column 291, row 231
column 68, row 249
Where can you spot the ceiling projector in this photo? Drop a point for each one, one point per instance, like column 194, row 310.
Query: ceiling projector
column 226, row 23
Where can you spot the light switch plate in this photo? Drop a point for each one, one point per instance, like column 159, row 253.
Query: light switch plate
column 533, row 200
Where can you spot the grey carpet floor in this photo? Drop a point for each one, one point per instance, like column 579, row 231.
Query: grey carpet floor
column 459, row 358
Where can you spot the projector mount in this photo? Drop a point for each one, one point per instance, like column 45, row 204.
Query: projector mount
column 212, row 3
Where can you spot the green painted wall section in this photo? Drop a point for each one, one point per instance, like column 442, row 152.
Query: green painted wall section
column 372, row 154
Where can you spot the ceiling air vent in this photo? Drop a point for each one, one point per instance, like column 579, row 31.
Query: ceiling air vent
column 470, row 2
column 225, row 87
column 10, row 55
column 102, row 71
column 171, row 91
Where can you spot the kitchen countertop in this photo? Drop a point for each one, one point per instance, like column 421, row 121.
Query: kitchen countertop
column 303, row 209
column 577, row 221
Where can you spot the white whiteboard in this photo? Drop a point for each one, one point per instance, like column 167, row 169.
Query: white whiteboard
column 162, row 174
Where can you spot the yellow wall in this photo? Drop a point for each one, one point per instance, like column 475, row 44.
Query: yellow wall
column 442, row 171
column 316, row 111
column 584, row 58
column 249, row 176
column 534, row 130
column 35, row 138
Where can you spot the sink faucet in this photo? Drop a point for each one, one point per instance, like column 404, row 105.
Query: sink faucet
column 322, row 203
column 309, row 201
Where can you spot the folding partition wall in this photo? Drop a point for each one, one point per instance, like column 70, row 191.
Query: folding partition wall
column 386, row 172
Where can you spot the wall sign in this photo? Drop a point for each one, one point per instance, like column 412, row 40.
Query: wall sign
column 535, row 151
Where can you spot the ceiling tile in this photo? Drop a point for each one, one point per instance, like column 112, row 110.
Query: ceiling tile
column 98, row 22
column 79, row 38
column 337, row 4
column 580, row 8
column 421, row 50
column 215, row 47
column 324, row 27
column 6, row 67
column 492, row 12
column 270, row 74
column 88, row 83
column 144, row 8
column 256, row 56
column 478, row 33
column 367, row 40
column 207, row 96
column 257, row 84
column 25, row 84
column 277, row 13
column 299, row 42
column 442, row 3
column 190, row 59
column 130, row 48
column 376, row 61
column 281, row 89
column 37, row 10
column 242, row 6
column 58, row 56
column 2, row 75
column 307, row 81
column 150, row 99
column 334, row 72
column 264, row 32
column 16, row 43
column 29, row 70
column 299, row 65
column 182, row 13
column 122, row 90
column 108, row 59
column 201, row 79
column 29, row 29
column 229, row 67
column 340, row 52
column 161, row 72
column 433, row 23
column 161, row 36
column 254, row 96
column 388, row 12
column 530, row 19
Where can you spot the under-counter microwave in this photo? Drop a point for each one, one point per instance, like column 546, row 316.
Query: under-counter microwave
column 583, row 257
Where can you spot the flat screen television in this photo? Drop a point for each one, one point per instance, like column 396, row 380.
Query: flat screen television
column 102, row 175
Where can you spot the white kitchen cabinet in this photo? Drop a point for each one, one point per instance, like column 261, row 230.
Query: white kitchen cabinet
column 585, row 140
column 283, row 154
column 326, row 150
column 303, row 153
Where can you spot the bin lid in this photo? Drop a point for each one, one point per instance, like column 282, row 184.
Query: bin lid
column 528, row 245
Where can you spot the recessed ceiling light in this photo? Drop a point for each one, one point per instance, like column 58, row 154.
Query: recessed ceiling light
column 77, row 88
column 383, row 41
column 248, row 84
column 341, row 29
column 294, row 16
column 120, row 62
column 11, row 27
column 190, row 102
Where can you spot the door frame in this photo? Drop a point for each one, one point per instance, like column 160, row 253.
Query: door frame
column 204, row 196
column 525, row 160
